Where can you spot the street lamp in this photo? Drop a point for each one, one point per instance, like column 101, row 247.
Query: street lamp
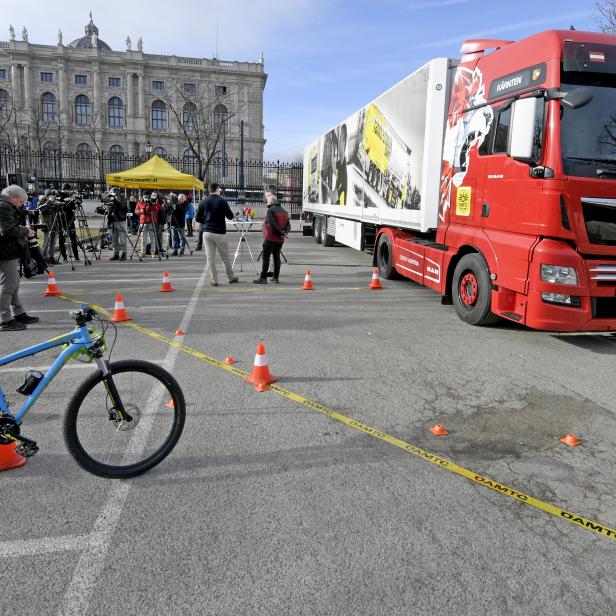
column 148, row 149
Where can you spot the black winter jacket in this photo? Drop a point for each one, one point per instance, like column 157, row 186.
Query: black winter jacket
column 12, row 235
column 212, row 213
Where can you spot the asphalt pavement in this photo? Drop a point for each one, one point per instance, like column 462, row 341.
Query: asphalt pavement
column 268, row 506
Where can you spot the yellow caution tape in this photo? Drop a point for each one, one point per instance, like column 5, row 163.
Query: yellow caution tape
column 443, row 463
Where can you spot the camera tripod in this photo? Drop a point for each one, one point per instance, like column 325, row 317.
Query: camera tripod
column 157, row 240
column 60, row 225
column 103, row 233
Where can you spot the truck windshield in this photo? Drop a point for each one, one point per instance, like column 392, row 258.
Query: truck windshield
column 588, row 134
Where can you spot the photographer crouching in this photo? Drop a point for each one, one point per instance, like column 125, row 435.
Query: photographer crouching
column 116, row 216
column 12, row 248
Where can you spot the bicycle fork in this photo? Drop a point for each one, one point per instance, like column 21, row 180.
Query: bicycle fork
column 117, row 412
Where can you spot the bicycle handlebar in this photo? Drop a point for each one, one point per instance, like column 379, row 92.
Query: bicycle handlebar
column 83, row 315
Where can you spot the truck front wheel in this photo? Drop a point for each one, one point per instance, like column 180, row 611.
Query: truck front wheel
column 385, row 258
column 472, row 291
column 316, row 229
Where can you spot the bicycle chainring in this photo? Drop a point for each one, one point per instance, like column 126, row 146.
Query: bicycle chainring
column 8, row 426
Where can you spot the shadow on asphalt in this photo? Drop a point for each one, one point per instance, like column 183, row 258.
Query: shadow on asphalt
column 603, row 345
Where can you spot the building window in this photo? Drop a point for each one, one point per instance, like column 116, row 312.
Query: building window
column 51, row 160
column 47, row 77
column 81, row 80
column 2, row 73
column 84, row 158
column 83, row 110
column 191, row 88
column 49, row 108
column 5, row 104
column 116, row 112
column 189, row 116
column 116, row 158
column 189, row 162
column 221, row 117
column 159, row 115
column 221, row 90
column 115, row 82
column 160, row 152
column 158, row 85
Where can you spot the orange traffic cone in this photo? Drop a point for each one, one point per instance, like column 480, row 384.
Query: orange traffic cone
column 119, row 312
column 260, row 371
column 166, row 286
column 308, row 286
column 571, row 440
column 9, row 458
column 229, row 360
column 438, row 430
column 376, row 281
column 52, row 288
column 179, row 332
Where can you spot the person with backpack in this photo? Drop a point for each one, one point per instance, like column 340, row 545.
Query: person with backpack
column 13, row 247
column 275, row 229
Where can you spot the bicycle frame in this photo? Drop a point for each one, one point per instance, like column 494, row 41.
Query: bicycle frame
column 77, row 340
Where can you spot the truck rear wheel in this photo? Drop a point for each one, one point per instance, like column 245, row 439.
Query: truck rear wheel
column 316, row 229
column 385, row 258
column 472, row 291
column 326, row 238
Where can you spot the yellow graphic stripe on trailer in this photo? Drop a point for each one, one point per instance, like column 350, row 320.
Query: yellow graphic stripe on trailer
column 440, row 462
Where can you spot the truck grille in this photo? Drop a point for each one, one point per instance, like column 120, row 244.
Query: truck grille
column 600, row 220
column 603, row 273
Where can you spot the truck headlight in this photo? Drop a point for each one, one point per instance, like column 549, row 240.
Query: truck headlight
column 558, row 274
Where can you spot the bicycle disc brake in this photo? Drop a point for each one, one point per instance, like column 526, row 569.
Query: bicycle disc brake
column 134, row 412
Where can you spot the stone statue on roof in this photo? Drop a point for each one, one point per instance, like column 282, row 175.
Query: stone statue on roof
column 59, row 37
column 11, row 33
column 140, row 44
column 129, row 44
column 24, row 34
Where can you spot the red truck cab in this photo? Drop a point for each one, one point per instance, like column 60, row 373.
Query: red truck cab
column 527, row 218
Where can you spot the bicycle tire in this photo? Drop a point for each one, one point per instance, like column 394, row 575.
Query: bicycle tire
column 89, row 463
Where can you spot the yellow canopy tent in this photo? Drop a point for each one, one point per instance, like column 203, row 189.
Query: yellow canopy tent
column 155, row 173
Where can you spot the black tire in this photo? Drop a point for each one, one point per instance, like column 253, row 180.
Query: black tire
column 326, row 238
column 317, row 221
column 385, row 258
column 472, row 291
column 86, row 459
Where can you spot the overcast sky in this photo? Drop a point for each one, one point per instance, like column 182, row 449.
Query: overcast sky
column 324, row 58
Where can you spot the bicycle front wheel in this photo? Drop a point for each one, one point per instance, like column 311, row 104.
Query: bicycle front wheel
column 107, row 446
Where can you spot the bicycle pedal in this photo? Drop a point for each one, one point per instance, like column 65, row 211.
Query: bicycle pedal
column 26, row 447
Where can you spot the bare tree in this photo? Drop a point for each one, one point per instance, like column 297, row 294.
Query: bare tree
column 6, row 116
column 607, row 15
column 203, row 117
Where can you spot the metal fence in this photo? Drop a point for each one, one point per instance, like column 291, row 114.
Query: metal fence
column 86, row 173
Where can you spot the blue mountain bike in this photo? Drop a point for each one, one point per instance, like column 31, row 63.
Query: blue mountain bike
column 122, row 420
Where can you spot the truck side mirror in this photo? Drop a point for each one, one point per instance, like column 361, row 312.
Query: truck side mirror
column 522, row 129
column 577, row 98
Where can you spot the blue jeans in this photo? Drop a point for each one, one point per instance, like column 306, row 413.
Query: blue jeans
column 178, row 238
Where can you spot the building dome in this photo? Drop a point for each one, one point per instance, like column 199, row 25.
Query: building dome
column 85, row 42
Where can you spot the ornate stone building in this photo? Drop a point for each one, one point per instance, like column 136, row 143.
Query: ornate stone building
column 84, row 97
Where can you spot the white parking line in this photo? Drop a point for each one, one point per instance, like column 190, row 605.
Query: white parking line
column 157, row 306
column 48, row 545
column 90, row 564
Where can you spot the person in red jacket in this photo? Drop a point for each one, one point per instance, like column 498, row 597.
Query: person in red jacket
column 275, row 230
column 148, row 217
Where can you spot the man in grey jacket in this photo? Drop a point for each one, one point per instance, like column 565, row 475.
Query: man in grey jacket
column 12, row 247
